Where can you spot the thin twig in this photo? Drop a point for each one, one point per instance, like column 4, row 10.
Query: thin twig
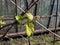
column 48, row 29
column 29, row 41
column 50, row 12
column 56, row 22
column 28, row 7
column 7, row 25
column 17, row 6
column 6, row 32
column 26, row 4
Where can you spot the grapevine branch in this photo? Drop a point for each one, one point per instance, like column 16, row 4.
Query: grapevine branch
column 48, row 29
column 34, row 16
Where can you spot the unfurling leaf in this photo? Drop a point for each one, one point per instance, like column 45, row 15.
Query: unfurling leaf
column 19, row 19
column 29, row 29
column 31, row 25
column 29, row 16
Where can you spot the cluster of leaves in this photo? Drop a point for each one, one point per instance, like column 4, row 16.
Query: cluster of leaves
column 29, row 24
column 29, row 29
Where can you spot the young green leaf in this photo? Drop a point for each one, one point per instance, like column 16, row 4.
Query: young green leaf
column 29, row 29
column 19, row 19
column 31, row 25
column 29, row 16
